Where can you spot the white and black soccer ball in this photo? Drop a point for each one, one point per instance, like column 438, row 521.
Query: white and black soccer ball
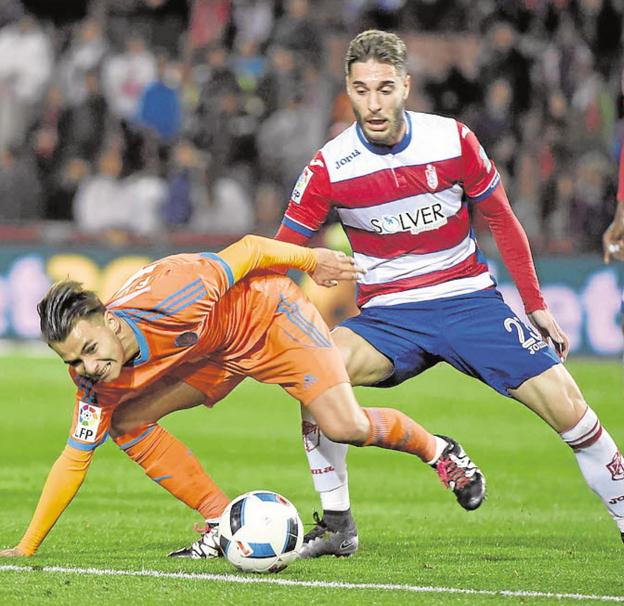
column 260, row 531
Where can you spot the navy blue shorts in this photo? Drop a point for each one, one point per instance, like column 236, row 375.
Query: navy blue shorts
column 477, row 333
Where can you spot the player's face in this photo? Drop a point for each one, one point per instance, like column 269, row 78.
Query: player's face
column 93, row 348
column 378, row 93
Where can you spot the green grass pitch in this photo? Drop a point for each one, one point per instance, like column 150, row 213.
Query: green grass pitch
column 540, row 530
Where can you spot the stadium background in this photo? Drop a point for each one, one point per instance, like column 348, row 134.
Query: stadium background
column 130, row 129
column 258, row 89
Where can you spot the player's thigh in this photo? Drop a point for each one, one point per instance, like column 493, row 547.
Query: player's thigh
column 365, row 365
column 150, row 406
column 554, row 396
column 339, row 416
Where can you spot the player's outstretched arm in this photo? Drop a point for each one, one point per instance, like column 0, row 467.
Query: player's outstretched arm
column 613, row 237
column 325, row 266
column 64, row 480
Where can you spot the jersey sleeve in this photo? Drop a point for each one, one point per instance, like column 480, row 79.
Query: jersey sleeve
column 513, row 246
column 91, row 419
column 64, row 481
column 252, row 253
column 309, row 203
column 480, row 176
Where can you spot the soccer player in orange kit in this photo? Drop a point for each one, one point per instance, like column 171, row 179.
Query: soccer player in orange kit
column 184, row 331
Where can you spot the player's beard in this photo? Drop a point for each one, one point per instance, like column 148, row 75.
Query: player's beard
column 391, row 136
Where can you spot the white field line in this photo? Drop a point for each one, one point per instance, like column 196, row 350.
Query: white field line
column 271, row 580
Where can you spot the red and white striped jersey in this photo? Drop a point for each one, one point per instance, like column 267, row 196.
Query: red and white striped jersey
column 404, row 208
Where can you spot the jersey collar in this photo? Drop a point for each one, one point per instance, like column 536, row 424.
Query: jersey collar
column 144, row 353
column 384, row 149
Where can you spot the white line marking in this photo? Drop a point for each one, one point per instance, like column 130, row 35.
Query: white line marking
column 257, row 580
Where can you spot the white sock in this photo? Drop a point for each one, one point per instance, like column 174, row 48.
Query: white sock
column 337, row 499
column 601, row 463
column 328, row 465
column 441, row 444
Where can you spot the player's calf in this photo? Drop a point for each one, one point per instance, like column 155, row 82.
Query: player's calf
column 601, row 463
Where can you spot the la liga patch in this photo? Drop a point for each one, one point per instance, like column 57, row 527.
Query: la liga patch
column 300, row 186
column 89, row 417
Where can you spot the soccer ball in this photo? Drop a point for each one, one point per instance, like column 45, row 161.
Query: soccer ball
column 260, row 531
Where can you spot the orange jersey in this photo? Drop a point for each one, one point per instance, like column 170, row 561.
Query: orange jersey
column 193, row 324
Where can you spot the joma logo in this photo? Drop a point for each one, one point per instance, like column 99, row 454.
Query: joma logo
column 348, row 158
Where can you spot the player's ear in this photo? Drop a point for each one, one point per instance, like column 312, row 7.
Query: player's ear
column 407, row 84
column 112, row 321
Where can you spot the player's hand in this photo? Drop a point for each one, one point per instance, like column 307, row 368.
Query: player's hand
column 551, row 332
column 332, row 266
column 613, row 242
column 13, row 552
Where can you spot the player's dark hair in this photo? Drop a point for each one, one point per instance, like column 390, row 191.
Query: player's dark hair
column 64, row 304
column 384, row 47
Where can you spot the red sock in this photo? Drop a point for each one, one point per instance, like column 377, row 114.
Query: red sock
column 171, row 464
column 391, row 429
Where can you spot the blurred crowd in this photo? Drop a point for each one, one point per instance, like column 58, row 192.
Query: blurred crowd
column 145, row 116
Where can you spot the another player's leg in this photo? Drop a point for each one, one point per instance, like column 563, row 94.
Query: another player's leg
column 555, row 397
column 328, row 464
column 168, row 461
column 341, row 419
column 327, row 459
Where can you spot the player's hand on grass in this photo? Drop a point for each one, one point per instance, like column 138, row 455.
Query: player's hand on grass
column 551, row 332
column 613, row 242
column 333, row 266
column 13, row 552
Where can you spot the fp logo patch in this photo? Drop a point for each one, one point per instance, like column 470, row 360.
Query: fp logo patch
column 616, row 467
column 89, row 417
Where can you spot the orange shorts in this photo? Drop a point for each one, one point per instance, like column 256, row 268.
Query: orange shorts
column 297, row 352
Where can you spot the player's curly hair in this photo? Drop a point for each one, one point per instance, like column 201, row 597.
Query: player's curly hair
column 63, row 305
column 384, row 47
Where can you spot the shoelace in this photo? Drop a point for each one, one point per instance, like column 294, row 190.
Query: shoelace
column 319, row 528
column 449, row 471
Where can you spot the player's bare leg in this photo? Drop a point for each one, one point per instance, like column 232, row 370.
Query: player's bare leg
column 327, row 459
column 555, row 397
column 365, row 365
column 168, row 461
column 341, row 419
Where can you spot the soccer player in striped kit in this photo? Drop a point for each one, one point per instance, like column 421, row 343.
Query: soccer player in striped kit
column 403, row 184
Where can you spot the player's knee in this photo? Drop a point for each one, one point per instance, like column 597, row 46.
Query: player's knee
column 365, row 365
column 556, row 398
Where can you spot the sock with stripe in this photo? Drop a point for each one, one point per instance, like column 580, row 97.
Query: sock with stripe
column 601, row 462
column 391, row 429
column 173, row 466
column 328, row 465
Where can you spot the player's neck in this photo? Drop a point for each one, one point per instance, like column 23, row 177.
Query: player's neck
column 129, row 342
column 402, row 132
